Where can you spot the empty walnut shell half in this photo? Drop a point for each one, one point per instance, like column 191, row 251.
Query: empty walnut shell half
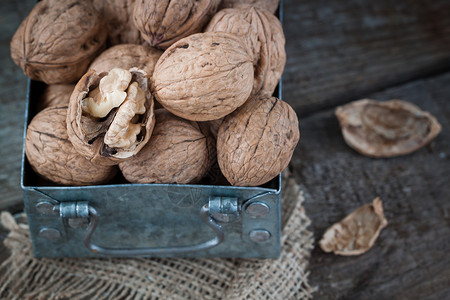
column 270, row 5
column 118, row 17
column 127, row 56
column 55, row 95
column 263, row 33
column 179, row 151
column 357, row 232
column 163, row 22
column 386, row 129
column 47, row 51
column 204, row 77
column 52, row 155
column 110, row 115
column 256, row 142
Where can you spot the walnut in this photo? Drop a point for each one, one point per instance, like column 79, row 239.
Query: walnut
column 52, row 156
column 47, row 51
column 270, row 5
column 163, row 22
column 127, row 56
column 179, row 151
column 118, row 16
column 256, row 142
column 386, row 129
column 110, row 115
column 264, row 35
column 55, row 95
column 204, row 77
column 357, row 232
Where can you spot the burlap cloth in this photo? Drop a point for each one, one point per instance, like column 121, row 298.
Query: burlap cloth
column 25, row 277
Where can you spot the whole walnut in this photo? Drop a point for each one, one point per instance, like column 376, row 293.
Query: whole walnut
column 179, row 151
column 204, row 77
column 55, row 95
column 110, row 116
column 256, row 142
column 118, row 17
column 270, row 5
column 52, row 155
column 58, row 40
column 127, row 56
column 263, row 33
column 163, row 22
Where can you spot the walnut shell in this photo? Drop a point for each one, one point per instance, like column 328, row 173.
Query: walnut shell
column 386, row 129
column 357, row 232
column 270, row 5
column 58, row 40
column 89, row 133
column 204, row 77
column 179, row 151
column 256, row 142
column 118, row 17
column 127, row 56
column 263, row 33
column 55, row 95
column 163, row 22
column 52, row 155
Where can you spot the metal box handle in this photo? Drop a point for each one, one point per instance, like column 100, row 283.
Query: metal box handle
column 204, row 213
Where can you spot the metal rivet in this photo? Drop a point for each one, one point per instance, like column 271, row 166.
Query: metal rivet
column 257, row 210
column 259, row 235
column 49, row 233
column 45, row 208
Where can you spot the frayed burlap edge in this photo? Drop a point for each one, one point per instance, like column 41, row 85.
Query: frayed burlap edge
column 25, row 277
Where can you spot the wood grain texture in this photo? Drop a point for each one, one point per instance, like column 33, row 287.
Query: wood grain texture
column 339, row 50
column 13, row 88
column 410, row 259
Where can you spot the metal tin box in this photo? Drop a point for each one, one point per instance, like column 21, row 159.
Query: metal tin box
column 154, row 220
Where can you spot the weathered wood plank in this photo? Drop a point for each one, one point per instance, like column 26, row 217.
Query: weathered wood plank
column 411, row 258
column 339, row 50
column 13, row 87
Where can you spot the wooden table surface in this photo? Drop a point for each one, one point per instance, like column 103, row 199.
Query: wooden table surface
column 338, row 51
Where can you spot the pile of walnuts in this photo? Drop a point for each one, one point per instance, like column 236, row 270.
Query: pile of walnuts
column 161, row 91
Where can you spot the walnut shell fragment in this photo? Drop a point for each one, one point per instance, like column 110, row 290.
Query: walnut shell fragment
column 110, row 115
column 52, row 155
column 118, row 17
column 256, row 142
column 163, row 22
column 204, row 77
column 127, row 56
column 270, row 5
column 263, row 33
column 55, row 95
column 386, row 129
column 357, row 232
column 47, row 51
column 179, row 151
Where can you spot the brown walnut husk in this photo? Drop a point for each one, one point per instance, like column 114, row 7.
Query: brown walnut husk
column 256, row 142
column 356, row 233
column 55, row 95
column 118, row 17
column 270, row 5
column 179, row 151
column 88, row 133
column 204, row 77
column 163, row 22
column 52, row 155
column 58, row 40
column 263, row 33
column 386, row 129
column 127, row 56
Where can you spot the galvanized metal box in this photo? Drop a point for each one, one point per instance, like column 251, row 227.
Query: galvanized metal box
column 155, row 220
